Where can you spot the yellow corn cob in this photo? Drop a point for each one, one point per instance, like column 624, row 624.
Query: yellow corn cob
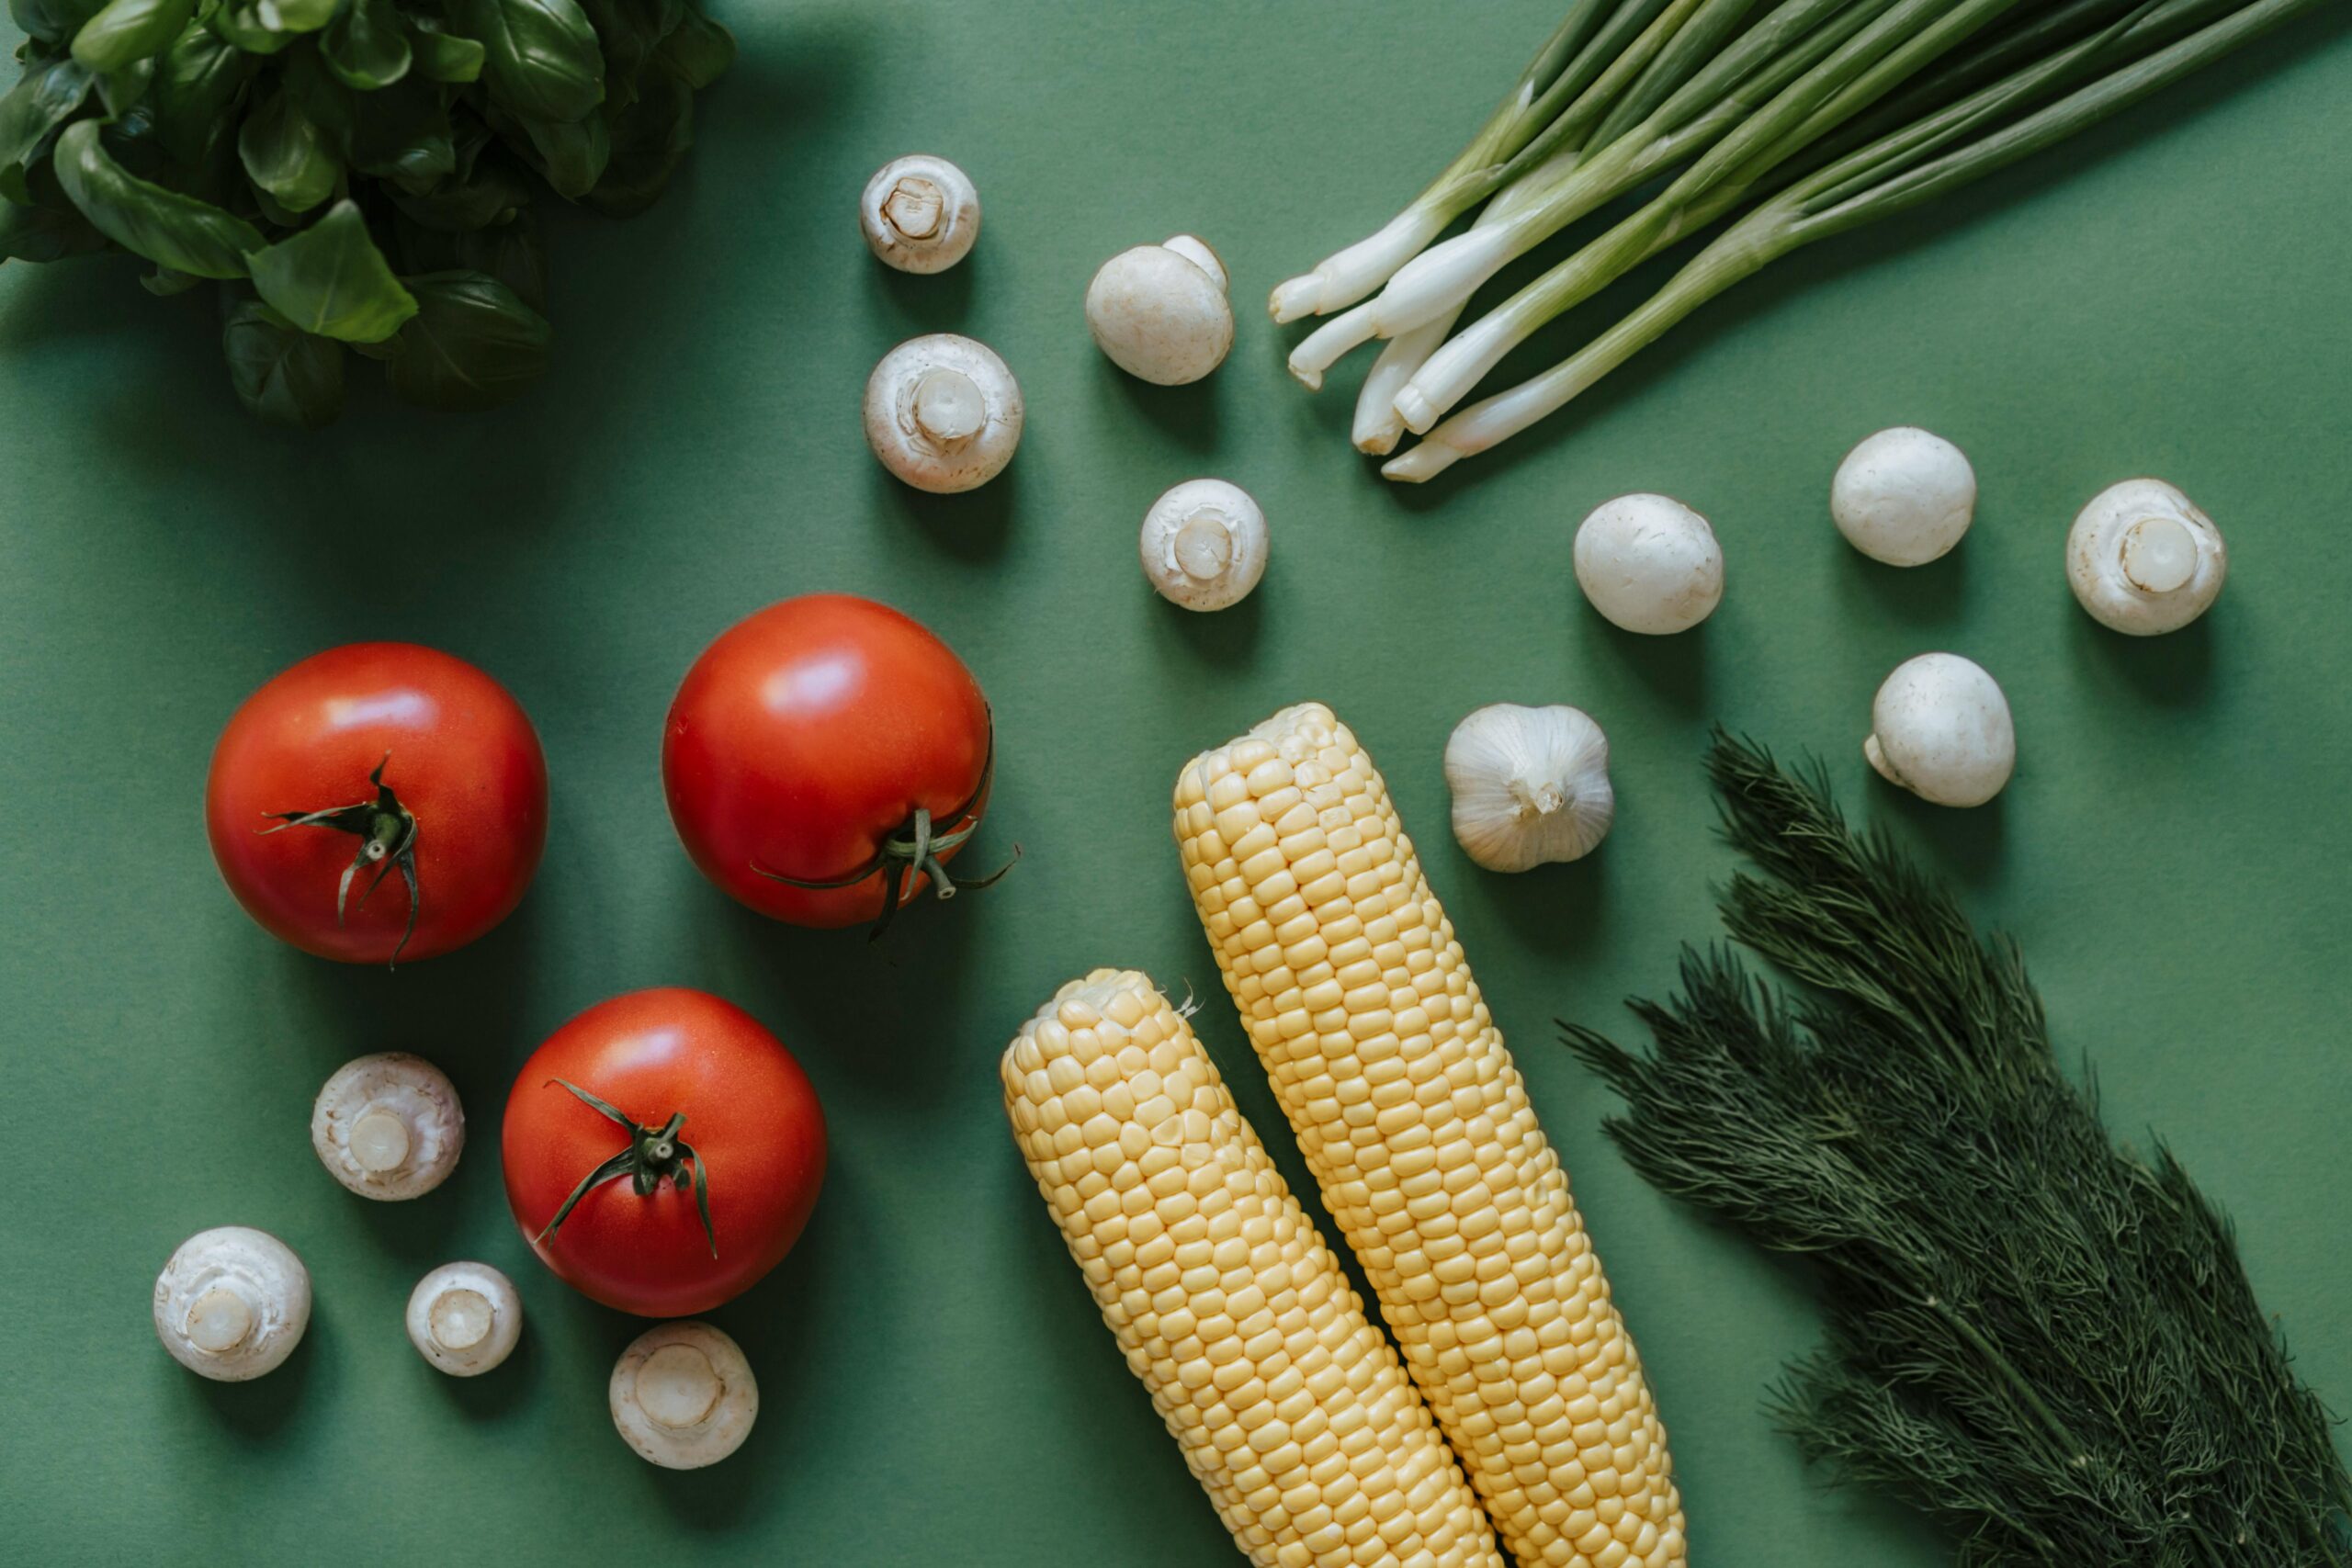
column 1418, row 1129
column 1292, row 1409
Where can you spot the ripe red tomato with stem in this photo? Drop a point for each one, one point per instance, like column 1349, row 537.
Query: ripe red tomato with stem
column 370, row 763
column 826, row 759
column 663, row 1151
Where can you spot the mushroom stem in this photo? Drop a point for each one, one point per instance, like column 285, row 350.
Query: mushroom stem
column 459, row 1318
column 219, row 1321
column 947, row 407
column 677, row 1387
column 914, row 206
column 1203, row 545
column 2159, row 554
column 1876, row 758
column 379, row 1142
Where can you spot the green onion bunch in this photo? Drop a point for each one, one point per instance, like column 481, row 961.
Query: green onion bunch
column 352, row 174
column 1793, row 120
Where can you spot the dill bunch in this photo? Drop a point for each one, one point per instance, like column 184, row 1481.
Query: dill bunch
column 2042, row 1338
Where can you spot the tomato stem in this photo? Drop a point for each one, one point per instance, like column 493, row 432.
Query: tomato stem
column 652, row 1153
column 387, row 833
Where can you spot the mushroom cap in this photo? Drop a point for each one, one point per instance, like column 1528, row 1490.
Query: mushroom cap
column 2144, row 560
column 1530, row 786
column 1159, row 312
column 943, row 413
column 1203, row 544
column 1903, row 496
column 919, row 213
column 1940, row 728
column 388, row 1126
column 231, row 1303
column 1649, row 564
column 465, row 1319
column 682, row 1395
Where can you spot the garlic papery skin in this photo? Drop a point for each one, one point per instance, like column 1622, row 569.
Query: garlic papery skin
column 1649, row 564
column 465, row 1319
column 919, row 213
column 232, row 1303
column 1530, row 785
column 1940, row 728
column 1204, row 545
column 943, row 413
column 2144, row 560
column 684, row 1396
column 1903, row 496
column 1159, row 312
column 388, row 1126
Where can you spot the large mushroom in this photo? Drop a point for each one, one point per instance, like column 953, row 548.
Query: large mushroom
column 943, row 413
column 684, row 1396
column 231, row 1303
column 465, row 1319
column 1159, row 312
column 388, row 1126
column 2144, row 560
column 919, row 213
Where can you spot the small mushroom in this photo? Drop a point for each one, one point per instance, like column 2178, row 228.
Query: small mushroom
column 919, row 213
column 1159, row 312
column 388, row 1126
column 465, row 1319
column 682, row 1395
column 1905, row 496
column 1205, row 545
column 1649, row 564
column 1530, row 786
column 231, row 1303
column 1940, row 728
column 943, row 413
column 2144, row 560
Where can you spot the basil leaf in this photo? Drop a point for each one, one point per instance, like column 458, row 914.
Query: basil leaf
column 364, row 46
column 331, row 280
column 627, row 30
column 43, row 99
column 279, row 371
column 146, row 220
column 648, row 142
column 492, row 193
column 474, row 345
column 45, row 234
column 265, row 26
column 515, row 254
column 540, row 56
column 52, row 21
column 401, row 134
column 443, row 57
column 121, row 89
column 166, row 281
column 572, row 156
column 699, row 50
column 196, row 81
column 286, row 155
column 129, row 30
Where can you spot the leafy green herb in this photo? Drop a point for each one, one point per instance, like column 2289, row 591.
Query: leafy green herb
column 2042, row 1338
column 366, row 167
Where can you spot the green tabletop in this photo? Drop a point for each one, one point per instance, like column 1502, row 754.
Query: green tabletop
column 2168, row 295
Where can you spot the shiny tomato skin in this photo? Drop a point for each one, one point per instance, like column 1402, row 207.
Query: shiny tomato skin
column 463, row 760
column 749, row 1107
column 806, row 735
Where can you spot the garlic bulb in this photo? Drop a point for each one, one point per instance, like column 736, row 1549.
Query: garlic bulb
column 2144, row 560
column 1530, row 785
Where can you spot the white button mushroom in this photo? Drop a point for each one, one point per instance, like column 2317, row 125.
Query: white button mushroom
column 388, row 1126
column 1649, row 564
column 943, row 413
column 232, row 1303
column 1905, row 496
column 465, row 1319
column 919, row 213
column 1530, row 785
column 2144, row 560
column 1159, row 312
column 1205, row 545
column 682, row 1395
column 1939, row 727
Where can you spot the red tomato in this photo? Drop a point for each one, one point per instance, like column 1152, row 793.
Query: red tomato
column 376, row 762
column 692, row 1077
column 826, row 740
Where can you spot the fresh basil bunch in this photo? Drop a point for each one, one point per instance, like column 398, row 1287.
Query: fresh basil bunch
column 354, row 173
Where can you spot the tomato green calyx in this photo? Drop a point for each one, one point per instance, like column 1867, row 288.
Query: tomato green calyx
column 652, row 1153
column 387, row 834
column 918, row 848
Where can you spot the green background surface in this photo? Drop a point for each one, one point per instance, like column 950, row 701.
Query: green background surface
column 2168, row 295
